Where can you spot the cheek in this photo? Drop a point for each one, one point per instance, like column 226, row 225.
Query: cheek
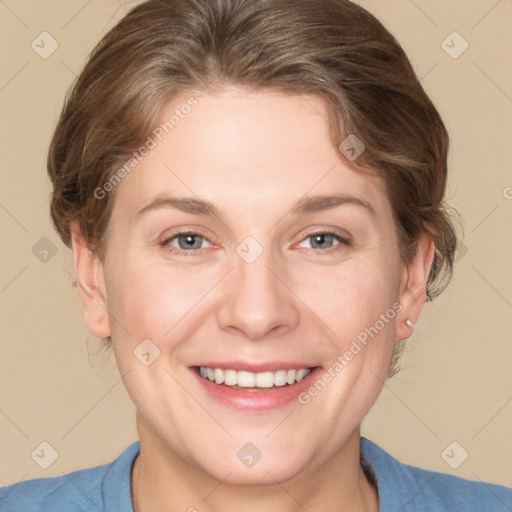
column 149, row 300
column 357, row 301
column 351, row 297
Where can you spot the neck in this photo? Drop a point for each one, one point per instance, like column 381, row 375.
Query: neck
column 161, row 478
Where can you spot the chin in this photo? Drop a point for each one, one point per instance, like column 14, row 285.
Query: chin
column 261, row 473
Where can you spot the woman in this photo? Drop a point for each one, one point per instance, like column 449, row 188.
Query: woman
column 253, row 193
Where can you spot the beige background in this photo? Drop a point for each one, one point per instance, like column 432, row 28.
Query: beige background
column 456, row 382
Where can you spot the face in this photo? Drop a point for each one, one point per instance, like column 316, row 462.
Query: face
column 241, row 248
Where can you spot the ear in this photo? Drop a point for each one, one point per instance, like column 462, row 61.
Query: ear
column 414, row 286
column 91, row 284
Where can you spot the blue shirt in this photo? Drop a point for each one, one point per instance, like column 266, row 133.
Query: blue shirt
column 402, row 488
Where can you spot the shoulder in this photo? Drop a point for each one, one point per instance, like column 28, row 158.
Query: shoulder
column 409, row 488
column 91, row 489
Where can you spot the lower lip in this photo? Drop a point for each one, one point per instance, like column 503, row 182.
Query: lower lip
column 262, row 399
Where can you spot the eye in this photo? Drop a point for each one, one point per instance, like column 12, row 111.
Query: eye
column 323, row 241
column 184, row 242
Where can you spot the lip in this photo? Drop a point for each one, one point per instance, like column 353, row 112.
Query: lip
column 260, row 400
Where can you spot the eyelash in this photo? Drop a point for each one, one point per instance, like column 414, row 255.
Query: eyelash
column 192, row 252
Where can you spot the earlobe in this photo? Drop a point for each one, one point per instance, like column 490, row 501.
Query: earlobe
column 414, row 287
column 91, row 284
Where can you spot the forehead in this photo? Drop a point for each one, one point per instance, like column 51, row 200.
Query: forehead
column 245, row 150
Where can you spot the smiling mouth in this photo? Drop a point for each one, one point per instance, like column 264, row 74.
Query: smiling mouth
column 249, row 381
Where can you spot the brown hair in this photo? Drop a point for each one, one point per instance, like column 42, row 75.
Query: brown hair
column 332, row 48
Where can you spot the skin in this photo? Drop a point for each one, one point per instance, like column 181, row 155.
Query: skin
column 252, row 155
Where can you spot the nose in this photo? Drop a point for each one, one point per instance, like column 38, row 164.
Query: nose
column 257, row 300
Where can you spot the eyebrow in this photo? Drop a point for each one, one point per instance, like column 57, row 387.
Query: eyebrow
column 325, row 202
column 185, row 204
column 304, row 205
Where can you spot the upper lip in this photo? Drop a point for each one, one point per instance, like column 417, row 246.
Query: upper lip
column 256, row 367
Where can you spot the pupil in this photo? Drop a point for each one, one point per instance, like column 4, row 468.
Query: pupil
column 190, row 240
column 320, row 239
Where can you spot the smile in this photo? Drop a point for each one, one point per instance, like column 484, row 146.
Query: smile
column 245, row 379
column 268, row 386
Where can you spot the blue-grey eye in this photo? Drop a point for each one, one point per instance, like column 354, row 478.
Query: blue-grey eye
column 189, row 241
column 322, row 240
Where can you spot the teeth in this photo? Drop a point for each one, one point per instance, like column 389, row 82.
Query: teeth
column 230, row 377
column 280, row 378
column 265, row 380
column 301, row 374
column 245, row 379
column 219, row 376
